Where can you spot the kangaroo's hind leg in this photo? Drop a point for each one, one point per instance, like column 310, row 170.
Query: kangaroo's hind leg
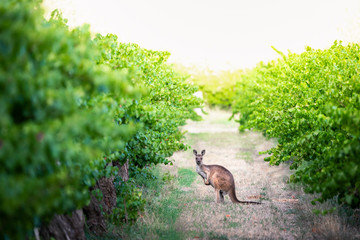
column 221, row 196
column 218, row 195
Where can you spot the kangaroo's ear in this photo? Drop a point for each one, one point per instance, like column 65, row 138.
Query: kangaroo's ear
column 203, row 152
column 195, row 152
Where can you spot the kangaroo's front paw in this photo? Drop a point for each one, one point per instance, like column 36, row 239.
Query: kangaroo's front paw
column 207, row 182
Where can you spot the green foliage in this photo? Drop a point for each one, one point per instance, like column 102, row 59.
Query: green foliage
column 57, row 109
column 217, row 89
column 169, row 102
column 311, row 103
column 129, row 202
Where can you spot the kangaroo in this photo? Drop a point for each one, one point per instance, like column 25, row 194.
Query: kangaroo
column 219, row 178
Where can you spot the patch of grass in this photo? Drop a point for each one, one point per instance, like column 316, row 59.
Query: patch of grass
column 209, row 198
column 214, row 235
column 170, row 207
column 343, row 223
column 224, row 121
column 215, row 139
column 263, row 194
column 233, row 224
column 164, row 204
column 167, row 177
column 200, row 136
column 245, row 155
column 186, row 176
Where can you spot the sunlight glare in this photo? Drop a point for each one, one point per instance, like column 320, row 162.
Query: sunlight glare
column 220, row 35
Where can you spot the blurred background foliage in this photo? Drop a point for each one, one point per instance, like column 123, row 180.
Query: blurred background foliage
column 218, row 88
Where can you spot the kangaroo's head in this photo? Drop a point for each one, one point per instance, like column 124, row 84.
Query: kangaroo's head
column 199, row 157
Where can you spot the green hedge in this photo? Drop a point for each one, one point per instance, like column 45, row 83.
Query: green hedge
column 69, row 104
column 169, row 102
column 57, row 116
column 310, row 102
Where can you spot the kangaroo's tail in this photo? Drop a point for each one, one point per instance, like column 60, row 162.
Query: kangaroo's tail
column 234, row 199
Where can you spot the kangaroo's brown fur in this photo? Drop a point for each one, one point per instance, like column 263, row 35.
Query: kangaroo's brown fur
column 219, row 178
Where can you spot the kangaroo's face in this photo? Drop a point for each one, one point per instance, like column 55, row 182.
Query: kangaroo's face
column 199, row 157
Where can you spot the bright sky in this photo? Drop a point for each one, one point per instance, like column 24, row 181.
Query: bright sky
column 226, row 34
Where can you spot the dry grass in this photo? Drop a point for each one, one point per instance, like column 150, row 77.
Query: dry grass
column 185, row 208
column 286, row 212
column 341, row 224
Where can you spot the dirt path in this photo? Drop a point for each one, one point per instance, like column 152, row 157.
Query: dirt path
column 180, row 206
column 238, row 152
